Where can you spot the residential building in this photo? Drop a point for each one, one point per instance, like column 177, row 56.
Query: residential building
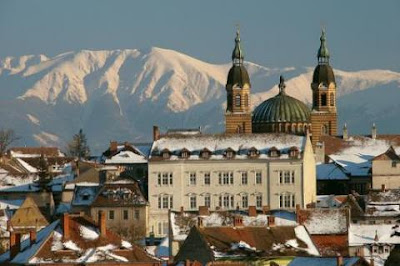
column 386, row 170
column 229, row 172
column 126, row 209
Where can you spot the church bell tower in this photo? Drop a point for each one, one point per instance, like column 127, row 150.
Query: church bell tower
column 238, row 107
column 323, row 114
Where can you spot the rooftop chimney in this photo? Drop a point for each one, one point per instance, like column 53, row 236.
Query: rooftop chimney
column 200, row 221
column 238, row 221
column 203, row 210
column 65, row 225
column 102, row 223
column 15, row 244
column 271, row 220
column 373, row 131
column 113, row 147
column 32, row 237
column 345, row 133
column 156, row 133
column 252, row 211
column 298, row 214
column 383, row 189
column 182, row 210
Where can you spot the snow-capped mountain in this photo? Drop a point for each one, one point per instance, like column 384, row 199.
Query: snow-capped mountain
column 120, row 94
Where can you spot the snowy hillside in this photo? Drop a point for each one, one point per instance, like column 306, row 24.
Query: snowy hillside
column 120, row 94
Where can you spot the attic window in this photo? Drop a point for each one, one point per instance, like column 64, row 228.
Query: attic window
column 253, row 152
column 205, row 154
column 229, row 153
column 274, row 152
column 184, row 154
column 166, row 154
column 293, row 152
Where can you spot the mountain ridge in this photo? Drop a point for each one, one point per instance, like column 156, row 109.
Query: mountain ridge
column 119, row 94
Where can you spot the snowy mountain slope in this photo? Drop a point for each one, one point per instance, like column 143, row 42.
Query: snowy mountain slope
column 120, row 94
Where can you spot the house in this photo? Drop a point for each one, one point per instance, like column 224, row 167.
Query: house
column 386, row 170
column 382, row 206
column 130, row 158
column 229, row 172
column 126, row 209
column 243, row 243
column 328, row 229
column 354, row 156
column 75, row 240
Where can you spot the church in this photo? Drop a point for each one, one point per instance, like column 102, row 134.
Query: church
column 282, row 113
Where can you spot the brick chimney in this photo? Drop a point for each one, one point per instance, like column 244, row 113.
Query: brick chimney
column 238, row 221
column 32, row 237
column 15, row 244
column 113, row 147
column 203, row 210
column 383, row 189
column 298, row 214
column 102, row 223
column 373, row 131
column 271, row 220
column 265, row 209
column 182, row 210
column 339, row 260
column 156, row 133
column 65, row 225
column 252, row 211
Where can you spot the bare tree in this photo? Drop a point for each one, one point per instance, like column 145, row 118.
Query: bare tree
column 7, row 137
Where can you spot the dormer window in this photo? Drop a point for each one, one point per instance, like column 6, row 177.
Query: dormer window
column 293, row 152
column 185, row 153
column 229, row 153
column 273, row 152
column 253, row 152
column 166, row 154
column 205, row 153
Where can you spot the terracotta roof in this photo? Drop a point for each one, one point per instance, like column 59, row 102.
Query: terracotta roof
column 83, row 245
column 120, row 194
column 331, row 245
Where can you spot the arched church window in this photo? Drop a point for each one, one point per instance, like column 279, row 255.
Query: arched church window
column 324, row 130
column 237, row 100
column 323, row 99
column 332, row 99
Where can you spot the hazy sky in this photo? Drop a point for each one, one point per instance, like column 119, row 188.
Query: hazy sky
column 361, row 34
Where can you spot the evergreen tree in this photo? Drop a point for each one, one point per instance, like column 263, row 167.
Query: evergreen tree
column 78, row 147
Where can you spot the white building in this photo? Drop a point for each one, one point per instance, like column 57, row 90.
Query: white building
column 229, row 172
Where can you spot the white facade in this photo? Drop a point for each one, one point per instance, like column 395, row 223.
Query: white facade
column 180, row 177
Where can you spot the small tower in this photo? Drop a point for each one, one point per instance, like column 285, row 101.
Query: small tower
column 373, row 131
column 238, row 107
column 323, row 114
column 345, row 133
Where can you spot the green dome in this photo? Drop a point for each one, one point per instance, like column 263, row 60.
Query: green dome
column 281, row 108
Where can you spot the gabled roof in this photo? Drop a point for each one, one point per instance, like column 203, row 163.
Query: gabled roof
column 28, row 216
column 320, row 221
column 120, row 194
column 225, row 242
column 83, row 245
column 390, row 154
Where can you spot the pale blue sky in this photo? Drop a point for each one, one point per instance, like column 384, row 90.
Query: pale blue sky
column 361, row 34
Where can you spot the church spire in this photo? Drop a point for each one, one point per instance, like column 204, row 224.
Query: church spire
column 237, row 54
column 323, row 53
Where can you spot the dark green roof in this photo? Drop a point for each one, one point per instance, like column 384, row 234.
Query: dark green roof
column 238, row 76
column 323, row 73
column 281, row 108
column 323, row 49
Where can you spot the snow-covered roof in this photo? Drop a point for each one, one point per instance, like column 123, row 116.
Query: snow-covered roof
column 361, row 234
column 330, row 201
column 330, row 171
column 324, row 221
column 218, row 144
column 126, row 157
column 357, row 157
